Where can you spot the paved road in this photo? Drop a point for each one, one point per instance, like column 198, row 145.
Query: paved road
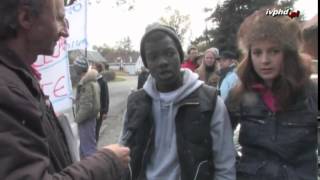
column 111, row 127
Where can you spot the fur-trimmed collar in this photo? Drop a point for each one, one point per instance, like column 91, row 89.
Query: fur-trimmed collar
column 91, row 75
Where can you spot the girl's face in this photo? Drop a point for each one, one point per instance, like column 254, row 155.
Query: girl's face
column 209, row 59
column 267, row 59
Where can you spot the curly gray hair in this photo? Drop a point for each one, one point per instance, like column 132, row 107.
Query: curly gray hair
column 9, row 24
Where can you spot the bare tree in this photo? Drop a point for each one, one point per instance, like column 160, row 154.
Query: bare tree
column 179, row 22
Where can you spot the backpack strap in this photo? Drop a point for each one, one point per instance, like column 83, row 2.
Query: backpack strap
column 96, row 97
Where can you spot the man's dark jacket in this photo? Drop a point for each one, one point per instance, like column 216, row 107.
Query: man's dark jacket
column 33, row 145
column 104, row 95
column 104, row 103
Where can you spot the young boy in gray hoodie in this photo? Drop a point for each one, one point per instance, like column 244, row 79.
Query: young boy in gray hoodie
column 176, row 126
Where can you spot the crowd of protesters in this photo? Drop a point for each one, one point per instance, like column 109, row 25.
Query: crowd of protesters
column 268, row 92
column 180, row 122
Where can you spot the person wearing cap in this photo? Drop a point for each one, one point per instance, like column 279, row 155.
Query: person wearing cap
column 87, row 107
column 208, row 70
column 104, row 97
column 191, row 62
column 176, row 126
column 228, row 76
column 276, row 103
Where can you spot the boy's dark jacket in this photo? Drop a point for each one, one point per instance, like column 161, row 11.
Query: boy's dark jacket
column 192, row 127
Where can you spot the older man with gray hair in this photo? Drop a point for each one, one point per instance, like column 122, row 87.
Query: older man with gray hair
column 34, row 146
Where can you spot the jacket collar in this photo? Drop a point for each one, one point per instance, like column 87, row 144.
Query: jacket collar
column 10, row 59
column 267, row 96
column 90, row 76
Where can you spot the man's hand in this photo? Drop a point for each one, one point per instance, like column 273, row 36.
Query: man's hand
column 123, row 153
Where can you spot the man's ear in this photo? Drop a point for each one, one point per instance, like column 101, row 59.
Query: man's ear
column 25, row 17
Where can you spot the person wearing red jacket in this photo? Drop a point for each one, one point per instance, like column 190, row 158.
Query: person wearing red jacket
column 191, row 62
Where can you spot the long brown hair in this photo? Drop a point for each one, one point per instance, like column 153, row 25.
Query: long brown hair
column 294, row 73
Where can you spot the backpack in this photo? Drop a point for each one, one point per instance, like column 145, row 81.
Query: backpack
column 86, row 113
column 96, row 97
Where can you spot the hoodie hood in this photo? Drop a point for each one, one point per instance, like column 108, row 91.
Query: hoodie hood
column 190, row 84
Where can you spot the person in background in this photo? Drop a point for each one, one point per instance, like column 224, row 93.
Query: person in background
column 310, row 44
column 104, row 98
column 276, row 102
column 191, row 63
column 87, row 106
column 199, row 59
column 208, row 70
column 176, row 126
column 142, row 77
column 228, row 76
column 310, row 37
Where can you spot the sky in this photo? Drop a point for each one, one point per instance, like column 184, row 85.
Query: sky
column 108, row 23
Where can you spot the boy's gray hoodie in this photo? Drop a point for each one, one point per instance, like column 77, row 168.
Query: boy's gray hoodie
column 164, row 162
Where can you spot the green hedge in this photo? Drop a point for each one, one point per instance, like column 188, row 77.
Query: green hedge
column 109, row 75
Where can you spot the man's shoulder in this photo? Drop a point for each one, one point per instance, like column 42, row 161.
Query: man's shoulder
column 138, row 99
column 7, row 76
column 232, row 75
column 14, row 92
column 139, row 94
column 139, row 105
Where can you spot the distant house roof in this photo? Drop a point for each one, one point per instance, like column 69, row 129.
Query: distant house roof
column 310, row 36
column 93, row 56
column 313, row 22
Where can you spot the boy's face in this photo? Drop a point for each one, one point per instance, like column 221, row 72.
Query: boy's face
column 193, row 53
column 163, row 60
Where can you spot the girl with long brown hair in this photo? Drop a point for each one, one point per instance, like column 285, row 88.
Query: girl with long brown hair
column 208, row 69
column 275, row 102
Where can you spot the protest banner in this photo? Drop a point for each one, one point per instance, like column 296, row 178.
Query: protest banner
column 76, row 16
column 55, row 74
column 55, row 77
